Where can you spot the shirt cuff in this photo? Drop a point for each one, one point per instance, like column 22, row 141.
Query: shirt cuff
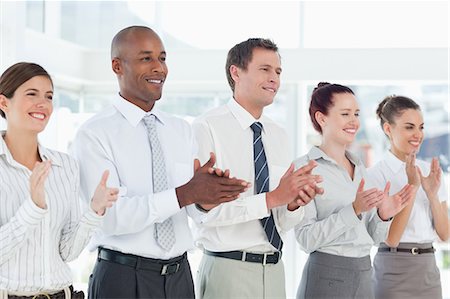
column 257, row 206
column 166, row 203
column 30, row 214
column 92, row 218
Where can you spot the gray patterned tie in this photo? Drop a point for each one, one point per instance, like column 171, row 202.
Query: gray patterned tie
column 164, row 233
column 262, row 184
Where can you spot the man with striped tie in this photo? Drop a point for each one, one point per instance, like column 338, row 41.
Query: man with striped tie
column 242, row 240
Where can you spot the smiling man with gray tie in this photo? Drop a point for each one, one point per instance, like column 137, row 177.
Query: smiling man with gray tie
column 143, row 241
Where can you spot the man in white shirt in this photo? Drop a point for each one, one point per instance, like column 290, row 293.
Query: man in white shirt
column 150, row 155
column 242, row 239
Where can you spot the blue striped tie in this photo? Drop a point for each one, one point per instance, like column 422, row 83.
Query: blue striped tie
column 262, row 184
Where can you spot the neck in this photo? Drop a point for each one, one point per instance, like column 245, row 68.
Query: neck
column 334, row 150
column 256, row 112
column 23, row 147
column 400, row 156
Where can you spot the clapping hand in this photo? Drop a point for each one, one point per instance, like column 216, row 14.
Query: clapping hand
column 37, row 183
column 390, row 206
column 104, row 197
column 432, row 182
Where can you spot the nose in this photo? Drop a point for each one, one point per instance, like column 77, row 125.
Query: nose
column 158, row 66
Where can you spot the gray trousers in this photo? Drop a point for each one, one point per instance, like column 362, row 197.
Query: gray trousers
column 219, row 277
column 404, row 275
column 332, row 276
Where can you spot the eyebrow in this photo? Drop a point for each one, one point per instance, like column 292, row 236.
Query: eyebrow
column 150, row 52
column 348, row 109
column 411, row 124
column 34, row 89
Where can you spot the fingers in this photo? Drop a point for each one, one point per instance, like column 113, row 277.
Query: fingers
column 196, row 165
column 212, row 160
column 289, row 171
column 361, row 186
column 387, row 187
column 104, row 178
column 306, row 168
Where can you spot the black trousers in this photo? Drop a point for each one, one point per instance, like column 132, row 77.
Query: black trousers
column 113, row 280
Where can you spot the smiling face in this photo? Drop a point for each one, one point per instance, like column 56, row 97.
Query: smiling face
column 141, row 68
column 31, row 105
column 406, row 133
column 342, row 121
column 256, row 87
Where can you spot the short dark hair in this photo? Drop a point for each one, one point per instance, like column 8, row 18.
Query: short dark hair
column 241, row 54
column 393, row 106
column 16, row 75
column 321, row 100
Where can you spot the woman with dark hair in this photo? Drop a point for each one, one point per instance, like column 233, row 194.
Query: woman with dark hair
column 405, row 264
column 41, row 226
column 341, row 225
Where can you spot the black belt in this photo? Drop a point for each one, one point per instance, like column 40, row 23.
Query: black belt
column 261, row 258
column 58, row 295
column 413, row 250
column 164, row 267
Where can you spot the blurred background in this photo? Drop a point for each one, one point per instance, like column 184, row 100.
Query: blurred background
column 377, row 48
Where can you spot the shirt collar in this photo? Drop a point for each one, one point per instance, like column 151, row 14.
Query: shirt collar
column 133, row 114
column 44, row 153
column 244, row 118
column 394, row 163
column 315, row 153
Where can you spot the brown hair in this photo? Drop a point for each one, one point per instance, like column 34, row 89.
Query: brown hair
column 241, row 54
column 321, row 100
column 16, row 75
column 393, row 106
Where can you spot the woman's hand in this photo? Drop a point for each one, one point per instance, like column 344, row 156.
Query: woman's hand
column 366, row 200
column 392, row 205
column 37, row 183
column 432, row 182
column 104, row 197
column 412, row 171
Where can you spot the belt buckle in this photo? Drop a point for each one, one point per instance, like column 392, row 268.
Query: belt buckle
column 170, row 269
column 244, row 256
column 415, row 250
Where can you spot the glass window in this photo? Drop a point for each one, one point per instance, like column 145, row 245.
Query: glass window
column 375, row 24
column 35, row 15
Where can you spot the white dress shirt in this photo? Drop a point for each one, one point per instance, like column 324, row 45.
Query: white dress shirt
column 116, row 139
column 420, row 225
column 36, row 243
column 235, row 225
column 330, row 224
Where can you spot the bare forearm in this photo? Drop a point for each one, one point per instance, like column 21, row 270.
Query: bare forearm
column 440, row 218
column 398, row 226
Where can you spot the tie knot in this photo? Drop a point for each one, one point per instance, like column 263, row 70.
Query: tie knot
column 149, row 121
column 257, row 127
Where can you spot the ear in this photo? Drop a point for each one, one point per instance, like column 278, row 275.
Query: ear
column 116, row 66
column 4, row 103
column 320, row 118
column 387, row 129
column 234, row 71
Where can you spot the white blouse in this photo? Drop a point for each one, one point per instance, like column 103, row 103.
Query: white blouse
column 420, row 227
column 35, row 243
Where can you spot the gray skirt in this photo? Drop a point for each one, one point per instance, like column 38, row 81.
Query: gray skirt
column 332, row 276
column 404, row 275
